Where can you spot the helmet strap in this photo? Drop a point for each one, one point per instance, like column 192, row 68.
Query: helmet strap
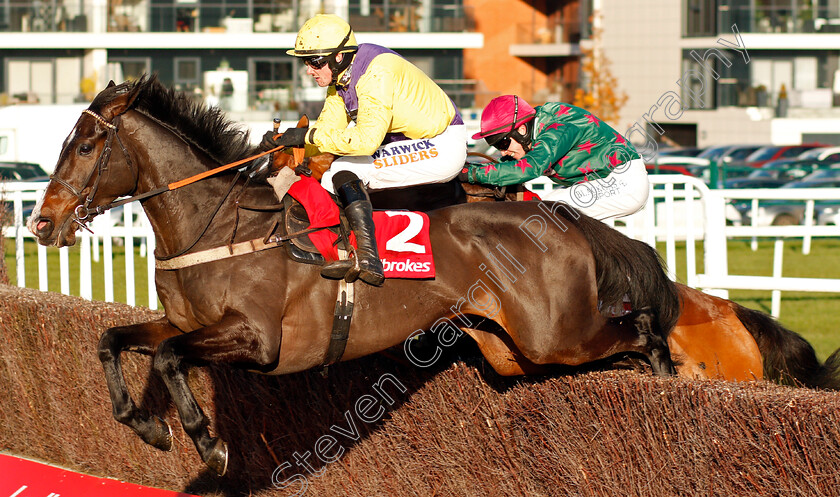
column 524, row 139
column 338, row 67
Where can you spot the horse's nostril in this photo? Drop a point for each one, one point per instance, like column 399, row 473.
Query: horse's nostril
column 43, row 225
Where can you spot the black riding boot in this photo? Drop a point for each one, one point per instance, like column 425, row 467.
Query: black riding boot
column 356, row 203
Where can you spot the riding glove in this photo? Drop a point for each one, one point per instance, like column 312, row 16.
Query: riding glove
column 464, row 175
column 293, row 137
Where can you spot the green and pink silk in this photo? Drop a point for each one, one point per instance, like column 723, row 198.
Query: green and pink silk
column 569, row 144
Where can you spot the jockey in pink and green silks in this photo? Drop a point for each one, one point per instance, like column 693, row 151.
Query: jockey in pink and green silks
column 596, row 169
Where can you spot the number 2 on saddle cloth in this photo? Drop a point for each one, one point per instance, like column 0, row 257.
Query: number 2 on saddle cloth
column 402, row 236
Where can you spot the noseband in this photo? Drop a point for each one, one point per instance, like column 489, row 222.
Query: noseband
column 82, row 214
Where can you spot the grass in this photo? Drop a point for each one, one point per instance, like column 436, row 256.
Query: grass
column 813, row 315
column 98, row 268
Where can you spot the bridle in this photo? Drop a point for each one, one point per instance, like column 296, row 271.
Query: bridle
column 82, row 213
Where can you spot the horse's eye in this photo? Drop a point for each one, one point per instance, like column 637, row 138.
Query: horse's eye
column 85, row 149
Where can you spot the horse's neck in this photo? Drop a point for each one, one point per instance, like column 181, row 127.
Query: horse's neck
column 178, row 216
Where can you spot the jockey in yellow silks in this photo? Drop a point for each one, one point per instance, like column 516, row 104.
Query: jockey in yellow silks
column 391, row 125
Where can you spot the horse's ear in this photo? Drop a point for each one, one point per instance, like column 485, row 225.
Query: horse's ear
column 111, row 83
column 304, row 122
column 132, row 96
column 123, row 101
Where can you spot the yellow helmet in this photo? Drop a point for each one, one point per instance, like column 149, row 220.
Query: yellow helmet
column 324, row 34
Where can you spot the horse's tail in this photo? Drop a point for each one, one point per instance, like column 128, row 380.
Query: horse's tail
column 788, row 358
column 628, row 267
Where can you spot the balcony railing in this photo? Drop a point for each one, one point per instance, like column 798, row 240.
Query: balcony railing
column 542, row 34
column 144, row 16
column 791, row 18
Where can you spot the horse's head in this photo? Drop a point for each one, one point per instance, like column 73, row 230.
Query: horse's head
column 93, row 169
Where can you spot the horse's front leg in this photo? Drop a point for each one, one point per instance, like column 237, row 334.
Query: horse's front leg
column 233, row 340
column 143, row 338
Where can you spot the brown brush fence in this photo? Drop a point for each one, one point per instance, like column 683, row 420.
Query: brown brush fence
column 4, row 274
column 456, row 431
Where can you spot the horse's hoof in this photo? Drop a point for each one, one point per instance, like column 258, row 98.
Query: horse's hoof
column 217, row 457
column 161, row 435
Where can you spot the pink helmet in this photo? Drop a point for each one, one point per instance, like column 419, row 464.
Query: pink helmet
column 504, row 114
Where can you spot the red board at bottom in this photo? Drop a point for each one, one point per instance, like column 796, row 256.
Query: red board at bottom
column 25, row 478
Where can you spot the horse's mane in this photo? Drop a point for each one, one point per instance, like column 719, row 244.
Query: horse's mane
column 208, row 128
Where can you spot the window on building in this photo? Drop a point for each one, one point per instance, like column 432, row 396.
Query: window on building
column 697, row 84
column 699, row 17
column 271, row 86
column 274, row 16
column 131, row 68
column 188, row 72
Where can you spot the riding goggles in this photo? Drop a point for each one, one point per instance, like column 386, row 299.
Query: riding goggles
column 317, row 61
column 502, row 143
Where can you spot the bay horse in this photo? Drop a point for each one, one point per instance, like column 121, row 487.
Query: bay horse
column 265, row 313
column 713, row 338
column 523, row 302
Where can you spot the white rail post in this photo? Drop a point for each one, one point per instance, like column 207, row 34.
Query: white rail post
column 43, row 269
column 754, row 222
column 650, row 219
column 714, row 257
column 776, row 300
column 94, row 247
column 670, row 238
column 128, row 225
column 17, row 204
column 85, row 270
column 690, row 251
column 108, row 256
column 809, row 221
column 64, row 269
column 150, row 268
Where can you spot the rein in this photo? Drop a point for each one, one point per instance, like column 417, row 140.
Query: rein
column 498, row 193
column 83, row 212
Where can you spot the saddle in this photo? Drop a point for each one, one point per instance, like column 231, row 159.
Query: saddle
column 296, row 220
column 295, row 228
column 420, row 198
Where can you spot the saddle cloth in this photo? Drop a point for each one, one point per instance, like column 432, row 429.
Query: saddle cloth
column 402, row 237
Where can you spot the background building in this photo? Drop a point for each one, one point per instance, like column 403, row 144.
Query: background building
column 673, row 59
column 63, row 51
column 530, row 48
column 781, row 88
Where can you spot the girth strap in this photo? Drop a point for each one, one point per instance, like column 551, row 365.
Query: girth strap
column 341, row 323
column 215, row 254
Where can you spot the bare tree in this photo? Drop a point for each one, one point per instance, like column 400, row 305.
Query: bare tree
column 601, row 96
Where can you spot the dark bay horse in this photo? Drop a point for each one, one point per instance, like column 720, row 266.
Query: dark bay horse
column 524, row 279
column 713, row 338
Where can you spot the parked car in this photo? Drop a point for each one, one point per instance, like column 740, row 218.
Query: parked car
column 737, row 155
column 775, row 152
column 679, row 152
column 680, row 160
column 829, row 173
column 21, row 171
column 828, row 215
column 729, row 157
column 668, row 169
column 713, row 153
column 821, row 153
column 747, row 182
column 787, row 212
column 790, row 169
